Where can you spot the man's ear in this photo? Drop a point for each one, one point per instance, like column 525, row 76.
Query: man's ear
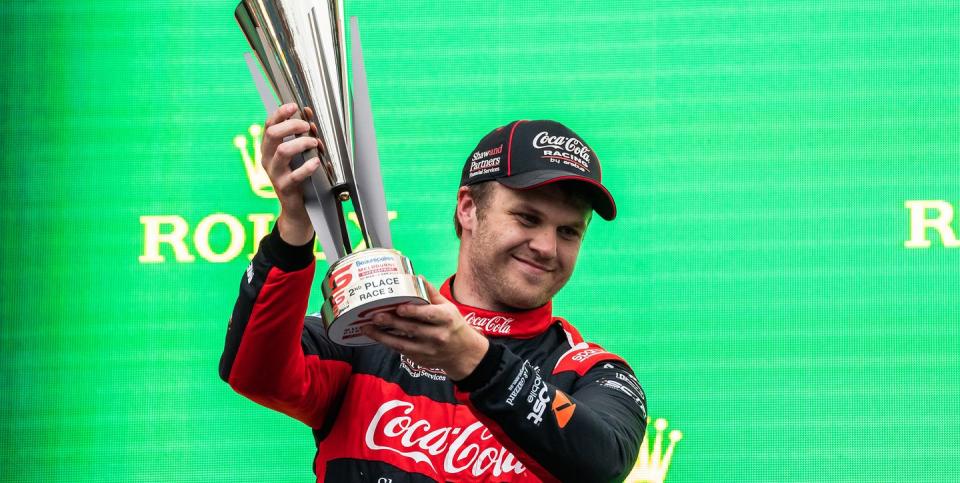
column 466, row 209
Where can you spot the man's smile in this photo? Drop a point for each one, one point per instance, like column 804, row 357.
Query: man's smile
column 532, row 266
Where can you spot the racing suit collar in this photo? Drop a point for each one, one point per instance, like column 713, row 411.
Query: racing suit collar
column 519, row 325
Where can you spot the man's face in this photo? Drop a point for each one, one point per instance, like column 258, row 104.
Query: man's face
column 524, row 245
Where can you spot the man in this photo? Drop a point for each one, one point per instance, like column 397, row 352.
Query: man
column 484, row 383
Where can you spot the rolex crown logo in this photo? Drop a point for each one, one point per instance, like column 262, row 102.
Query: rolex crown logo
column 259, row 181
column 653, row 463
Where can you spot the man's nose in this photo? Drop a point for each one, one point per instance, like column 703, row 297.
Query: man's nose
column 544, row 243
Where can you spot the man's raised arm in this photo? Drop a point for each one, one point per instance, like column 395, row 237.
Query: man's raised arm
column 268, row 355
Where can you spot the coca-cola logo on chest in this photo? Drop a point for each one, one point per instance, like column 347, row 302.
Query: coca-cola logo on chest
column 399, row 428
column 495, row 325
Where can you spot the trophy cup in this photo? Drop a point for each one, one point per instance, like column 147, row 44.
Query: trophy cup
column 300, row 45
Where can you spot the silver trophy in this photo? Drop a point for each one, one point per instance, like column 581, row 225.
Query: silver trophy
column 301, row 46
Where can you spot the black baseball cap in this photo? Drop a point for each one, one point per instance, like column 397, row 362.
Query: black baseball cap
column 530, row 154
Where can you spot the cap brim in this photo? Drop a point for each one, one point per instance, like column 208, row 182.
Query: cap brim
column 600, row 199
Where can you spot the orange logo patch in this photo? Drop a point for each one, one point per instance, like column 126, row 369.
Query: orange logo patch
column 562, row 409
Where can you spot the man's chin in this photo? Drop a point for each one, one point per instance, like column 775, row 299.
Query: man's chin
column 520, row 299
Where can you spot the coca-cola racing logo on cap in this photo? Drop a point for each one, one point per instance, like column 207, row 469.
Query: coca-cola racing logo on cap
column 567, row 150
column 486, row 161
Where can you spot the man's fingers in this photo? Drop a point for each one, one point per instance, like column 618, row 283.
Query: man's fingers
column 416, row 328
column 274, row 135
column 429, row 314
column 282, row 113
column 437, row 312
column 286, row 128
column 395, row 342
column 286, row 151
column 408, row 338
column 432, row 293
column 305, row 170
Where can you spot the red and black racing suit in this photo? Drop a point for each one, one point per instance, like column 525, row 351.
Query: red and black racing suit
column 542, row 405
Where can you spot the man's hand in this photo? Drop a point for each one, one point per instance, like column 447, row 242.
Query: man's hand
column 293, row 222
column 434, row 335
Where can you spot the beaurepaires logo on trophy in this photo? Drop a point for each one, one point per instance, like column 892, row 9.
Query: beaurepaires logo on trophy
column 302, row 49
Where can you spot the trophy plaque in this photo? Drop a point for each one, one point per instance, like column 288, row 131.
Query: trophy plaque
column 300, row 45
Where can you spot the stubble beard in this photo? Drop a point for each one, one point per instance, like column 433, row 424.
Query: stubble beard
column 491, row 273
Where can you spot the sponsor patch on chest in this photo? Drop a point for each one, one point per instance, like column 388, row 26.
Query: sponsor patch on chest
column 416, row 370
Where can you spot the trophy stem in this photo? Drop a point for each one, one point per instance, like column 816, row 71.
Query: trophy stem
column 353, row 195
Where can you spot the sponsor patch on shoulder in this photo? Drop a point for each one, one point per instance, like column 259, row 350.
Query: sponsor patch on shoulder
column 583, row 356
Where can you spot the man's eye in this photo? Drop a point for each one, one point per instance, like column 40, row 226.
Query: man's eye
column 569, row 233
column 526, row 219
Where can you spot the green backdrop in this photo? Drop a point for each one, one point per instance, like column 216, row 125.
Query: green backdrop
column 759, row 276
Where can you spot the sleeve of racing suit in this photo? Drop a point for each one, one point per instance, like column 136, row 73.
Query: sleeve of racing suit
column 591, row 434
column 268, row 356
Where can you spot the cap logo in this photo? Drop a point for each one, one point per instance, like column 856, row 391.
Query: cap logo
column 567, row 150
column 481, row 162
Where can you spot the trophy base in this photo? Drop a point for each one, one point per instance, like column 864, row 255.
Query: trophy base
column 363, row 284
